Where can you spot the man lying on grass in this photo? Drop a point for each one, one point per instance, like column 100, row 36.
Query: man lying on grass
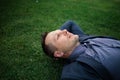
column 87, row 57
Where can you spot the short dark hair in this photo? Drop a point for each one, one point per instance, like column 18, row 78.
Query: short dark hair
column 48, row 49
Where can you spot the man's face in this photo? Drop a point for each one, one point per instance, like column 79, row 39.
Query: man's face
column 62, row 40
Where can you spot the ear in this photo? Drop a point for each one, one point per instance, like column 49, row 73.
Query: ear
column 58, row 54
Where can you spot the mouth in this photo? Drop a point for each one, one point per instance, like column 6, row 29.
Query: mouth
column 70, row 35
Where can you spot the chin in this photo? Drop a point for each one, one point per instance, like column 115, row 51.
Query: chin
column 77, row 37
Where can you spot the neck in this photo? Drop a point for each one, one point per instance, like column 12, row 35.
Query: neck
column 67, row 54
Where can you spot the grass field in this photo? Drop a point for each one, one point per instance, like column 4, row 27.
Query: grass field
column 23, row 21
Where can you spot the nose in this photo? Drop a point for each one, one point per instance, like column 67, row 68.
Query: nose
column 64, row 32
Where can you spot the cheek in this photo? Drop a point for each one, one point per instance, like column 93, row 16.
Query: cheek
column 63, row 40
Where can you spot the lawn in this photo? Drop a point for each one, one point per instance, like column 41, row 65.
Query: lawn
column 23, row 21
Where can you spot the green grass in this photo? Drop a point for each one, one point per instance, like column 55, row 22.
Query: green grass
column 23, row 21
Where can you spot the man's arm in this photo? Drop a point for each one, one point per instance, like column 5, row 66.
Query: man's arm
column 72, row 27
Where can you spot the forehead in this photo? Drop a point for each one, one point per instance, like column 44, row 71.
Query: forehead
column 51, row 36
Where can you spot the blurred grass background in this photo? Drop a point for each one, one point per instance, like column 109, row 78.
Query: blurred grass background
column 23, row 21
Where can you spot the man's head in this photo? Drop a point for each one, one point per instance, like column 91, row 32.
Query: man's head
column 59, row 43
